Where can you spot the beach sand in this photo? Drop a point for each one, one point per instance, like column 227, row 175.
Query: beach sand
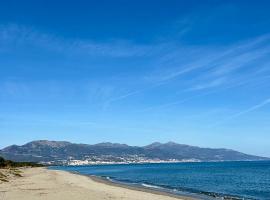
column 41, row 183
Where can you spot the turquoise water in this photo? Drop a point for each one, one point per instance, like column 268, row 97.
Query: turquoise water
column 208, row 180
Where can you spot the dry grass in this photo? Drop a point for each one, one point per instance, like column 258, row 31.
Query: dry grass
column 8, row 174
column 3, row 180
column 16, row 172
column 3, row 177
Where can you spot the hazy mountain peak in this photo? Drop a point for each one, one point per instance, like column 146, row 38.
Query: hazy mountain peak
column 158, row 144
column 171, row 143
column 53, row 144
column 110, row 144
column 154, row 144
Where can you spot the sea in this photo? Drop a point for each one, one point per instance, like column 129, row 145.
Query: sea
column 202, row 180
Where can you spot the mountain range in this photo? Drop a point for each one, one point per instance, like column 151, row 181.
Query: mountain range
column 61, row 151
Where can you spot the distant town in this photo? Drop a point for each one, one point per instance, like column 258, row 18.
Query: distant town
column 103, row 160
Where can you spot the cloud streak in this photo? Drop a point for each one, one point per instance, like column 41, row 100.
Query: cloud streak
column 14, row 36
column 211, row 69
column 253, row 108
column 200, row 68
column 244, row 112
column 206, row 93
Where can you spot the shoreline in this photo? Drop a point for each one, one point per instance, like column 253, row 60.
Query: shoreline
column 48, row 184
column 159, row 190
column 135, row 187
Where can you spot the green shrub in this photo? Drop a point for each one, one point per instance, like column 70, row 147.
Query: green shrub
column 11, row 164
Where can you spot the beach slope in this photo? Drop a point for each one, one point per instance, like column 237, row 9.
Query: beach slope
column 41, row 183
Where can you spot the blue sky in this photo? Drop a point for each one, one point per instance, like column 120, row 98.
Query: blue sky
column 135, row 72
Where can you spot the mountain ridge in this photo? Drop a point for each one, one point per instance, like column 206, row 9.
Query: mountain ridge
column 62, row 151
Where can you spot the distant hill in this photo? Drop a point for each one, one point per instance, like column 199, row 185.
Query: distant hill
column 59, row 151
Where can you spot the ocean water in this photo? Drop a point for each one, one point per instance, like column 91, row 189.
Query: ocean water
column 205, row 180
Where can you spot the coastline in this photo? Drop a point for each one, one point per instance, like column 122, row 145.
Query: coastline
column 141, row 180
column 136, row 187
column 43, row 183
column 158, row 191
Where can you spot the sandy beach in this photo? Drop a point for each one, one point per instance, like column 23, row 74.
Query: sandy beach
column 41, row 183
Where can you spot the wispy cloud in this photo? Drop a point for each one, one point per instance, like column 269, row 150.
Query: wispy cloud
column 209, row 67
column 244, row 82
column 218, row 59
column 126, row 95
column 244, row 112
column 200, row 68
column 209, row 84
column 14, row 36
column 170, row 104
